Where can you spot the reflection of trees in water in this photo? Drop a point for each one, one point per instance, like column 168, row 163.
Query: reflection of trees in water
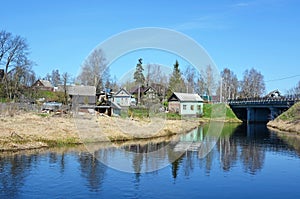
column 13, row 171
column 147, row 155
column 229, row 149
column 228, row 152
column 252, row 156
column 91, row 169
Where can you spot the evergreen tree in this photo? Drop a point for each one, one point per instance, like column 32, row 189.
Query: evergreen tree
column 176, row 83
column 138, row 74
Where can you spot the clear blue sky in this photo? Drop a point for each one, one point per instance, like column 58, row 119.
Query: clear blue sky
column 264, row 34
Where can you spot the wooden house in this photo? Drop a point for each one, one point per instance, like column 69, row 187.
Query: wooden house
column 122, row 98
column 82, row 95
column 146, row 93
column 44, row 85
column 186, row 104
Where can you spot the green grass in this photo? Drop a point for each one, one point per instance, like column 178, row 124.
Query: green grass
column 173, row 116
column 218, row 111
column 292, row 114
column 43, row 114
column 138, row 112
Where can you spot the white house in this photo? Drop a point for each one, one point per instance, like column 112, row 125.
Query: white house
column 187, row 104
column 122, row 98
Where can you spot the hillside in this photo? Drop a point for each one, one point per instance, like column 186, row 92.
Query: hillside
column 288, row 120
column 218, row 112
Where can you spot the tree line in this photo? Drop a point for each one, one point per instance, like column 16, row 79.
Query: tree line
column 206, row 81
column 17, row 75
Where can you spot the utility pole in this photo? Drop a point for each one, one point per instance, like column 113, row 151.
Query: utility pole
column 221, row 88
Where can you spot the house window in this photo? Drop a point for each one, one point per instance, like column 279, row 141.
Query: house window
column 184, row 107
column 199, row 107
column 192, row 107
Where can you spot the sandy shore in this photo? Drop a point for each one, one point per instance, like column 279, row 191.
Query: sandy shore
column 288, row 126
column 33, row 131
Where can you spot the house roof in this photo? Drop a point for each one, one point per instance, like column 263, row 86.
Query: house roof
column 45, row 83
column 143, row 89
column 123, row 92
column 82, row 90
column 187, row 97
column 274, row 93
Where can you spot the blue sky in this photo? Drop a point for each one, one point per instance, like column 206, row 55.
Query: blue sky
column 264, row 34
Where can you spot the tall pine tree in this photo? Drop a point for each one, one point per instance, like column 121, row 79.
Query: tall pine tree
column 138, row 74
column 176, row 83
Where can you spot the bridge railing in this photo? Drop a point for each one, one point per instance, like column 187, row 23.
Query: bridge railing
column 263, row 101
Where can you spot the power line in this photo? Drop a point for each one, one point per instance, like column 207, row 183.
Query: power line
column 273, row 80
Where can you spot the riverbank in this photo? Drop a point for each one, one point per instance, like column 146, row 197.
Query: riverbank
column 288, row 121
column 27, row 130
column 33, row 131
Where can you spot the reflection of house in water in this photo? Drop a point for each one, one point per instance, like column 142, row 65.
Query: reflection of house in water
column 191, row 141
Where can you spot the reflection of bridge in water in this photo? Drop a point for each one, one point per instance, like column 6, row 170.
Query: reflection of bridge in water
column 260, row 109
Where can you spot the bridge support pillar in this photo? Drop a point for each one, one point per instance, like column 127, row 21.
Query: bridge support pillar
column 250, row 115
column 274, row 112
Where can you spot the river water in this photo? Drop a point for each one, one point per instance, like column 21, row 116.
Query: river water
column 243, row 162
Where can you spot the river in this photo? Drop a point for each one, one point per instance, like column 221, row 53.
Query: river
column 243, row 162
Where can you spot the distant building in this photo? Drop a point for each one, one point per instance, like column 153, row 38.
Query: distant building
column 186, row 104
column 82, row 95
column 273, row 94
column 122, row 98
column 146, row 93
column 44, row 85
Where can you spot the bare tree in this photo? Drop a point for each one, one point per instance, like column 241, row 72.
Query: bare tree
column 253, row 84
column 55, row 77
column 209, row 80
column 295, row 91
column 94, row 71
column 65, row 78
column 13, row 58
column 190, row 74
column 229, row 85
column 156, row 78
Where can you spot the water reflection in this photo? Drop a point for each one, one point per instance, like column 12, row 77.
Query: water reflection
column 238, row 146
column 92, row 170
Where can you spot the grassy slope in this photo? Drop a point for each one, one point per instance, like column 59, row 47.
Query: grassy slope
column 292, row 114
column 288, row 120
column 216, row 111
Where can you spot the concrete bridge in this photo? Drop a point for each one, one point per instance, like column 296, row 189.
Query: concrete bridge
column 260, row 109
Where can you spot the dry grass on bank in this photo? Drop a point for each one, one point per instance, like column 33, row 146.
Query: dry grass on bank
column 32, row 130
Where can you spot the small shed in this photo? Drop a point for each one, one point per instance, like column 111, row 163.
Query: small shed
column 122, row 97
column 186, row 104
column 44, row 85
column 82, row 95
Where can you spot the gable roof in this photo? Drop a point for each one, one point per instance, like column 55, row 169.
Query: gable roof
column 82, row 90
column 187, row 97
column 122, row 92
column 149, row 88
column 143, row 89
column 44, row 83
